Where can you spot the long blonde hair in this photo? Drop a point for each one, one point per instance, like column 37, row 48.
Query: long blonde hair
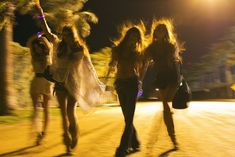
column 125, row 29
column 172, row 36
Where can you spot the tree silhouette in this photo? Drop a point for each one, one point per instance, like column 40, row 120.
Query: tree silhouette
column 62, row 12
column 58, row 12
column 214, row 68
column 100, row 61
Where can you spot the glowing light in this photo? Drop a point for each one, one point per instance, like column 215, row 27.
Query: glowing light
column 207, row 9
column 39, row 34
column 140, row 92
column 37, row 1
column 233, row 87
column 211, row 1
column 213, row 106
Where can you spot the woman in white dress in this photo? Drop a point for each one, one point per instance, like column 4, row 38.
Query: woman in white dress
column 75, row 78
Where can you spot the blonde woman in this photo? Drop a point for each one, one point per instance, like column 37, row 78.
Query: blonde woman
column 164, row 52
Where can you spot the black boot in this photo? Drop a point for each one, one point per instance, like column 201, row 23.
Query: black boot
column 121, row 153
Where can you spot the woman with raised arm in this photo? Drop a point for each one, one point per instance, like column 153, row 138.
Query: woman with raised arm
column 75, row 78
column 126, row 56
column 41, row 89
column 164, row 52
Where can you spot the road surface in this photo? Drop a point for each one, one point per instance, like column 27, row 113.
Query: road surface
column 205, row 129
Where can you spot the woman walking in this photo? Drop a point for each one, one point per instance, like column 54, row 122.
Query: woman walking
column 126, row 56
column 164, row 52
column 75, row 78
column 40, row 89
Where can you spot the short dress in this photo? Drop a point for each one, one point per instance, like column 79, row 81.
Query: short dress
column 39, row 85
column 77, row 76
column 165, row 65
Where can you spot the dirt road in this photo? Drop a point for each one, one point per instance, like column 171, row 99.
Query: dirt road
column 205, row 129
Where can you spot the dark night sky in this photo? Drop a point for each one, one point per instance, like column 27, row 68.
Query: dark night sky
column 197, row 22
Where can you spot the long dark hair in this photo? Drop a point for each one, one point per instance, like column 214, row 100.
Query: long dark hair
column 170, row 36
column 159, row 28
column 122, row 43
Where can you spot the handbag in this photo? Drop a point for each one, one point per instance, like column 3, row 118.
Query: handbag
column 182, row 96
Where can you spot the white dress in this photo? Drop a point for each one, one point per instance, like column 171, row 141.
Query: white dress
column 79, row 78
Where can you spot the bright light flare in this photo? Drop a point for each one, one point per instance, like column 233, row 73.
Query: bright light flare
column 207, row 4
column 37, row 1
column 212, row 1
column 207, row 9
column 215, row 3
column 233, row 87
column 213, row 106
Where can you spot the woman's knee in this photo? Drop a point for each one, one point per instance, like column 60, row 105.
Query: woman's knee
column 71, row 101
column 71, row 106
column 61, row 97
column 45, row 103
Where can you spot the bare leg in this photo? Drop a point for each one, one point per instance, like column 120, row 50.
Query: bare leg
column 41, row 134
column 62, row 99
column 34, row 118
column 73, row 124
column 167, row 116
column 45, row 105
column 35, row 111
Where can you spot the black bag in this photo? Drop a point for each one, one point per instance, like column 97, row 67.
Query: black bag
column 182, row 96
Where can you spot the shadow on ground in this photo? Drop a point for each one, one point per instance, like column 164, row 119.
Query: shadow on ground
column 20, row 151
column 166, row 153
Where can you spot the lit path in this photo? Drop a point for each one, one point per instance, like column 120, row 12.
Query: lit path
column 205, row 129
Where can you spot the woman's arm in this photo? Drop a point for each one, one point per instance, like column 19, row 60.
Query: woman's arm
column 140, row 66
column 47, row 45
column 52, row 37
column 145, row 60
column 112, row 65
column 47, row 75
